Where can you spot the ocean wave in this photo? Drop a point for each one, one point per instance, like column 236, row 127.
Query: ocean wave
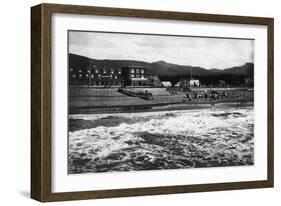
column 163, row 140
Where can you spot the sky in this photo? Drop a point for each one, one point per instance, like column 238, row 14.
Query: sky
column 209, row 53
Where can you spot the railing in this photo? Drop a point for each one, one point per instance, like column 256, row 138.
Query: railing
column 140, row 94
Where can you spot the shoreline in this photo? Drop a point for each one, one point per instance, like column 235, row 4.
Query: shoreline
column 158, row 107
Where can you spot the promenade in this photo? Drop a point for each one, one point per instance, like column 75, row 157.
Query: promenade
column 82, row 99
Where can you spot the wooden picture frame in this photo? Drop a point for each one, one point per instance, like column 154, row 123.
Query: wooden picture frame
column 41, row 116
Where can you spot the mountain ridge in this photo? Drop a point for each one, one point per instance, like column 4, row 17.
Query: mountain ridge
column 161, row 67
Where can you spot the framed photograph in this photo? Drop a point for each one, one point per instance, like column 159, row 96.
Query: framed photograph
column 130, row 102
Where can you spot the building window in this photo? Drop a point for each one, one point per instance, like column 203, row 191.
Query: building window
column 92, row 76
column 112, row 70
column 142, row 71
column 142, row 76
column 97, row 71
column 137, row 70
column 73, row 76
column 115, row 77
column 80, row 71
column 132, row 76
column 132, row 71
column 119, row 71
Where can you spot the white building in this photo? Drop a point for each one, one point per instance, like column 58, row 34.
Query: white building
column 194, row 82
column 166, row 84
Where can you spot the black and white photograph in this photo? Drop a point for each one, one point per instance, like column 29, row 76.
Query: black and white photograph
column 158, row 102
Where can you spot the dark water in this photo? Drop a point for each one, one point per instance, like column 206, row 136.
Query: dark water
column 161, row 140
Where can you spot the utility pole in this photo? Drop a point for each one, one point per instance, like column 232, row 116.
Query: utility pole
column 90, row 76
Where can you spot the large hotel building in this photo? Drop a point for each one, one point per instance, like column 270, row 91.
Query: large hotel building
column 134, row 76
column 108, row 77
